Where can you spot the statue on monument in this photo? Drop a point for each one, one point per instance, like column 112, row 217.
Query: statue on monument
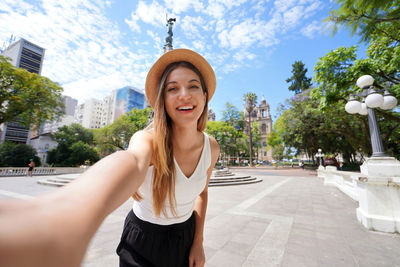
column 168, row 39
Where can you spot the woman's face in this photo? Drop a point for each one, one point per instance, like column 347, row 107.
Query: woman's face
column 184, row 96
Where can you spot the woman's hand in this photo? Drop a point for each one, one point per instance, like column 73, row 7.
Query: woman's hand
column 196, row 256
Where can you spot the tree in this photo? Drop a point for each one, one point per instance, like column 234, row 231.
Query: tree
column 250, row 100
column 337, row 72
column 368, row 18
column 17, row 155
column 118, row 134
column 228, row 138
column 299, row 81
column 75, row 147
column 27, row 97
column 256, row 136
column 305, row 127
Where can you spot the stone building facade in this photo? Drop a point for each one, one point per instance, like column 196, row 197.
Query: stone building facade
column 262, row 115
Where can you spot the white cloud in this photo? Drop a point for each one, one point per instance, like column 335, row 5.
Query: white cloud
column 190, row 26
column 215, row 9
column 244, row 56
column 248, row 33
column 83, row 49
column 293, row 16
column 179, row 6
column 311, row 29
column 153, row 14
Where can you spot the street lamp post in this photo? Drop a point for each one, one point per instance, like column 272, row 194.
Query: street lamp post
column 378, row 186
column 371, row 99
column 319, row 155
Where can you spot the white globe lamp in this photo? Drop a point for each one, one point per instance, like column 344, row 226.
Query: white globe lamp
column 374, row 99
column 363, row 110
column 389, row 101
column 365, row 81
column 353, row 106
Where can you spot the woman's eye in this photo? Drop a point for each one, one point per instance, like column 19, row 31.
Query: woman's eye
column 194, row 87
column 170, row 89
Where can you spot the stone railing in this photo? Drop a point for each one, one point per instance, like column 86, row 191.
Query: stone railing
column 39, row 171
column 343, row 180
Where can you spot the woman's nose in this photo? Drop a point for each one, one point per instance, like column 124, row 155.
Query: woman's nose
column 184, row 92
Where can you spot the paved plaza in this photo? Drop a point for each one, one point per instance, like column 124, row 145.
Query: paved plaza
column 289, row 219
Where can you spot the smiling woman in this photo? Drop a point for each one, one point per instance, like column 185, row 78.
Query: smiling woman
column 166, row 169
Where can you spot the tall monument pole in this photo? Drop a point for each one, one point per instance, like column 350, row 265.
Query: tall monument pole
column 168, row 40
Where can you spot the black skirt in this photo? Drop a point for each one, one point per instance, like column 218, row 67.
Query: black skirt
column 153, row 245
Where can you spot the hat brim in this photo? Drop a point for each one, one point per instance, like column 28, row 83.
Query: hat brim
column 177, row 55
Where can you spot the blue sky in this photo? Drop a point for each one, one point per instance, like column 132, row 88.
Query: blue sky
column 95, row 46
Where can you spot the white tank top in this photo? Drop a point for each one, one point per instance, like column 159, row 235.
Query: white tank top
column 186, row 191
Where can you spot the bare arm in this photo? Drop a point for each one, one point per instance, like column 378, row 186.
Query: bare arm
column 55, row 229
column 197, row 257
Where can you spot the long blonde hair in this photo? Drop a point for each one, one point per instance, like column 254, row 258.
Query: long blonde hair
column 163, row 154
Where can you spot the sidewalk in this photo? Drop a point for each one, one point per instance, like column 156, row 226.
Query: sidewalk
column 289, row 219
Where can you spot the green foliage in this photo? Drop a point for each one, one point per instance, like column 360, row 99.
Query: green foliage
column 368, row 18
column 229, row 139
column 28, row 97
column 256, row 134
column 17, row 155
column 305, row 127
column 250, row 100
column 299, row 81
column 233, row 116
column 118, row 134
column 75, row 146
column 316, row 118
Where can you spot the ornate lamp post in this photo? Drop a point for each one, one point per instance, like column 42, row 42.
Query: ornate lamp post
column 378, row 186
column 319, row 155
column 371, row 99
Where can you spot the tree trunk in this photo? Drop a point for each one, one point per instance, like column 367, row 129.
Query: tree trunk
column 251, row 142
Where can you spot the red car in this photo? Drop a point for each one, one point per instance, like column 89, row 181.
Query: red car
column 331, row 162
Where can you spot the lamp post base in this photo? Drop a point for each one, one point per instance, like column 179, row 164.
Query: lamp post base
column 379, row 194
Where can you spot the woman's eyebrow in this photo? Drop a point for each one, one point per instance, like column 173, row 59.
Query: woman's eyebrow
column 194, row 80
column 170, row 82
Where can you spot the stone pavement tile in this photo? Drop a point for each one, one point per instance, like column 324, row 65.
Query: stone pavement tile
column 246, row 239
column 105, row 261
column 307, row 248
column 255, row 227
column 224, row 258
column 295, row 260
column 303, row 226
column 239, row 248
column 216, row 240
column 209, row 252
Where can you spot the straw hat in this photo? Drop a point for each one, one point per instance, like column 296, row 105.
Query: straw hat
column 177, row 55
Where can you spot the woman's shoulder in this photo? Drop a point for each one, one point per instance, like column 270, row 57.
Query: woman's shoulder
column 144, row 137
column 213, row 145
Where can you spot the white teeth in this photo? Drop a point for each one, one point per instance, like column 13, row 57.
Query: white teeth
column 186, row 108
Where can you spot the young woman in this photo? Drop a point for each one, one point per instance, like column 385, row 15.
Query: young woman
column 166, row 169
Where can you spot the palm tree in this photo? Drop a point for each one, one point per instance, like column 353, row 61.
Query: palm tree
column 250, row 101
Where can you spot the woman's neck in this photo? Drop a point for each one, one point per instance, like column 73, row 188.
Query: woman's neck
column 185, row 137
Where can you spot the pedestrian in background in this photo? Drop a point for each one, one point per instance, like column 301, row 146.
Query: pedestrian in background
column 31, row 166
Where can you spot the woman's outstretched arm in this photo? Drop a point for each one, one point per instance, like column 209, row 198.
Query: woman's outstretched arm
column 55, row 229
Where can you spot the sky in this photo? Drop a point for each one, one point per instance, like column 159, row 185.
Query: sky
column 95, row 46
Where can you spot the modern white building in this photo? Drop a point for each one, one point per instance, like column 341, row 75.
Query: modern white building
column 89, row 114
column 29, row 56
column 107, row 115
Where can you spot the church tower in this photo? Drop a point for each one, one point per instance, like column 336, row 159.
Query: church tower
column 265, row 121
